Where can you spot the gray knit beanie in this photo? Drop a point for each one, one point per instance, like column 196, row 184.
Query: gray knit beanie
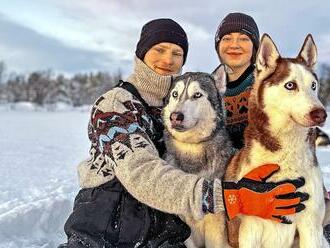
column 238, row 22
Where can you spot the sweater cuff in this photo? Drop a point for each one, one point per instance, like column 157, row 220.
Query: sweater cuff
column 218, row 199
column 212, row 201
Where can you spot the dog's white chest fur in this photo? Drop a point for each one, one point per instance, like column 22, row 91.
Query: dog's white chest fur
column 297, row 160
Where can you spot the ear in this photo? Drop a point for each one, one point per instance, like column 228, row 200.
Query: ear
column 267, row 57
column 308, row 52
column 220, row 78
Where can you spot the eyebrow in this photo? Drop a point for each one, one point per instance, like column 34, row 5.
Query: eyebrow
column 166, row 46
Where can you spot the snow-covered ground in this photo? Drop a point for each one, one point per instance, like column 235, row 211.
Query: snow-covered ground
column 39, row 151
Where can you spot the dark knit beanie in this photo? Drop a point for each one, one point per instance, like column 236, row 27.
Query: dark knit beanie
column 161, row 30
column 241, row 23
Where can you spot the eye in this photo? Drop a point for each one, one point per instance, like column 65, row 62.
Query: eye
column 178, row 54
column 226, row 38
column 314, row 86
column 159, row 49
column 290, row 86
column 197, row 95
column 175, row 94
column 244, row 38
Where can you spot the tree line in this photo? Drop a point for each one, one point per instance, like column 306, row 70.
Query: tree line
column 324, row 79
column 42, row 87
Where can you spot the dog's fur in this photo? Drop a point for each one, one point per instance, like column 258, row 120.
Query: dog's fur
column 197, row 142
column 282, row 130
column 322, row 139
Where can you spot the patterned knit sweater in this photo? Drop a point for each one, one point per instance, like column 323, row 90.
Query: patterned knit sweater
column 120, row 132
column 236, row 103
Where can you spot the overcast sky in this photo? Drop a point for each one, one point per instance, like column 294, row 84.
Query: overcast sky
column 73, row 36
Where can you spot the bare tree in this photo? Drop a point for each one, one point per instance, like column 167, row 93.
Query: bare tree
column 39, row 85
column 324, row 78
column 2, row 71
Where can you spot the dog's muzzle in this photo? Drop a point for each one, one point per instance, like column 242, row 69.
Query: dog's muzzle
column 176, row 119
column 318, row 116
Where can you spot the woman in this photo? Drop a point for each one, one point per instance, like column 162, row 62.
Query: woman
column 124, row 181
column 236, row 43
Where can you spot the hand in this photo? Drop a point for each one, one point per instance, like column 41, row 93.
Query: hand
column 252, row 195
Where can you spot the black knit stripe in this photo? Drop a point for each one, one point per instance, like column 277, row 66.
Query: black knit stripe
column 243, row 77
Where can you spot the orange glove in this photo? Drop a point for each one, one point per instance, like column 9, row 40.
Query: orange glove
column 252, row 195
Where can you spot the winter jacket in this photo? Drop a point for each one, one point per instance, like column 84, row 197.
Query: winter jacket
column 237, row 105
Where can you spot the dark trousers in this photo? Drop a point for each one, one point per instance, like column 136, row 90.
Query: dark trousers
column 108, row 216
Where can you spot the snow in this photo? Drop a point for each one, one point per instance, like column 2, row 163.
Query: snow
column 32, row 107
column 39, row 154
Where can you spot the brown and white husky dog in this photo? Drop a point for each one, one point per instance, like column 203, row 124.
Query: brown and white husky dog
column 284, row 109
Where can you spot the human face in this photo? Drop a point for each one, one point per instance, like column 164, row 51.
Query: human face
column 164, row 58
column 235, row 50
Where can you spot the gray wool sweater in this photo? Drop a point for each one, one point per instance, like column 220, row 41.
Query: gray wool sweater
column 121, row 147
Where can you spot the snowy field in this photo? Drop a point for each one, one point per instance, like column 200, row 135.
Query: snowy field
column 38, row 157
column 39, row 154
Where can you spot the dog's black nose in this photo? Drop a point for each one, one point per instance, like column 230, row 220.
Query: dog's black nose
column 177, row 116
column 318, row 115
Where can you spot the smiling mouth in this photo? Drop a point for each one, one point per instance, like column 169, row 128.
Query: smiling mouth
column 234, row 54
column 164, row 69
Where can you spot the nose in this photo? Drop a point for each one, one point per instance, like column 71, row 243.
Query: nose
column 234, row 43
column 168, row 59
column 177, row 117
column 318, row 115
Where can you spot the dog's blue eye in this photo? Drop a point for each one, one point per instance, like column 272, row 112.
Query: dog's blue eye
column 290, row 86
column 175, row 94
column 314, row 86
column 197, row 95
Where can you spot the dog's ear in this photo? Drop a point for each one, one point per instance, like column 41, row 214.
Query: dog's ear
column 267, row 57
column 308, row 52
column 220, row 78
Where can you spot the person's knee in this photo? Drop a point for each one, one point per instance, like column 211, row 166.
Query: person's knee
column 169, row 245
column 82, row 241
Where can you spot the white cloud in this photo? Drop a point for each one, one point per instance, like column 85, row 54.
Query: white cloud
column 324, row 48
column 112, row 27
column 77, row 25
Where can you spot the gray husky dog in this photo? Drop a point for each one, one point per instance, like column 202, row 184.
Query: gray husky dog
column 197, row 142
